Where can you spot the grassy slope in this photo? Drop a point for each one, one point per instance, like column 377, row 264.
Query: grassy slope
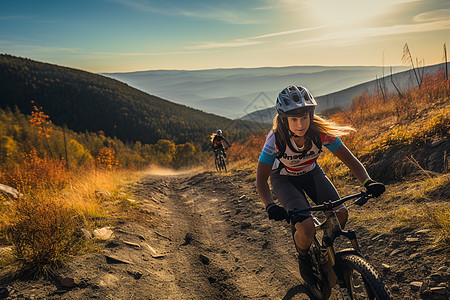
column 420, row 199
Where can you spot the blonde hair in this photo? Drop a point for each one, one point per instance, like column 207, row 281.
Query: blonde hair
column 318, row 125
column 213, row 135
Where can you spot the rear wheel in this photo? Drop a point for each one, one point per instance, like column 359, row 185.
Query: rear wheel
column 362, row 281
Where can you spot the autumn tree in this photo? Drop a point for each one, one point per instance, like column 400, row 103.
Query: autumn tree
column 106, row 159
column 41, row 122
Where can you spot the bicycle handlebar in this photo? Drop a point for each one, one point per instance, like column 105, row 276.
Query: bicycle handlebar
column 363, row 197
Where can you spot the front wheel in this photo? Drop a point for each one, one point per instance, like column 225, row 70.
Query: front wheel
column 217, row 163
column 361, row 279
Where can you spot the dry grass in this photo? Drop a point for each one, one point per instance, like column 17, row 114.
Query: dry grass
column 413, row 133
column 44, row 227
column 36, row 173
column 42, row 230
column 420, row 202
column 81, row 191
column 248, row 151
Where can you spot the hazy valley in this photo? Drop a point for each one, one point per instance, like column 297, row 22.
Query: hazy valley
column 234, row 93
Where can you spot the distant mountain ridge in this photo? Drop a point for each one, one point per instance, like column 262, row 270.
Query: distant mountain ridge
column 90, row 102
column 403, row 80
column 234, row 92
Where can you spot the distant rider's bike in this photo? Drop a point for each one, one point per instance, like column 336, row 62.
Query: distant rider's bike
column 356, row 278
column 220, row 162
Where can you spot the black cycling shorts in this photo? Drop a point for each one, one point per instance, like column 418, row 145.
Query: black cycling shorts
column 291, row 190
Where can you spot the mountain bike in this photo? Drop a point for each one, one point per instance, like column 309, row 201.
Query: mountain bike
column 220, row 162
column 356, row 278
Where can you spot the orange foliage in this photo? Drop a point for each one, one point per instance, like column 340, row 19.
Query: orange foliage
column 365, row 108
column 40, row 121
column 106, row 159
column 434, row 86
column 36, row 173
column 249, row 150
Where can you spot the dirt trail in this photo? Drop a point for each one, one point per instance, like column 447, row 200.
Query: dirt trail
column 221, row 245
column 200, row 236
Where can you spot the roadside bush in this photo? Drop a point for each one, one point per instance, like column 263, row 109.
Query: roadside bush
column 399, row 137
column 248, row 151
column 42, row 234
column 439, row 125
column 36, row 173
column 106, row 159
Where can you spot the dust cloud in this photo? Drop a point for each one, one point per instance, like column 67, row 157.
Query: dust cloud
column 160, row 171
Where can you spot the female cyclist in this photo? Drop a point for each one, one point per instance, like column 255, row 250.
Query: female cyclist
column 289, row 158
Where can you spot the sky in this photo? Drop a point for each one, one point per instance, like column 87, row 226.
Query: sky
column 134, row 35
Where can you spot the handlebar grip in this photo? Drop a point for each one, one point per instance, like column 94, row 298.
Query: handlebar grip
column 363, row 200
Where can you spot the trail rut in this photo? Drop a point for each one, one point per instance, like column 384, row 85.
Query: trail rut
column 207, row 236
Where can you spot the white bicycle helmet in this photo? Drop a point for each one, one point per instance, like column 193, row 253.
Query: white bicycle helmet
column 219, row 132
column 292, row 98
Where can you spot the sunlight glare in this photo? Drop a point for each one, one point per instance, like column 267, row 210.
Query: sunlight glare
column 343, row 12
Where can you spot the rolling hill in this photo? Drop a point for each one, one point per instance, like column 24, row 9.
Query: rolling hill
column 343, row 98
column 90, row 102
column 237, row 92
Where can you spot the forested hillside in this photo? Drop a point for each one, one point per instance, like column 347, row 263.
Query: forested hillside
column 33, row 141
column 89, row 102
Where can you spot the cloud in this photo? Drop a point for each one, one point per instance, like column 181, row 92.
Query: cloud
column 220, row 14
column 232, row 44
column 423, row 22
column 18, row 48
column 436, row 15
column 249, row 41
column 202, row 11
column 269, row 35
column 141, row 6
column 35, row 49
column 124, row 54
column 366, row 33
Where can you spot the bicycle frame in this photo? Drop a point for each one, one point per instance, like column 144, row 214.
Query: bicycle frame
column 331, row 230
column 219, row 152
column 219, row 159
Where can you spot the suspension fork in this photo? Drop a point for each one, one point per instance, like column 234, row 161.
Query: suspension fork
column 352, row 237
column 328, row 243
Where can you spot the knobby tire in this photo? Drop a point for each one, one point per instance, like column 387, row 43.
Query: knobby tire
column 220, row 163
column 223, row 163
column 371, row 287
column 217, row 163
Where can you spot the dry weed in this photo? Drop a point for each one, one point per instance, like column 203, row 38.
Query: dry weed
column 42, row 232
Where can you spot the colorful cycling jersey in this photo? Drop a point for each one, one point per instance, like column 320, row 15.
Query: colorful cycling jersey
column 295, row 163
column 217, row 141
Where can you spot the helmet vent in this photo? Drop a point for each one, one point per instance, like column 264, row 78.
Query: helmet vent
column 296, row 98
column 307, row 97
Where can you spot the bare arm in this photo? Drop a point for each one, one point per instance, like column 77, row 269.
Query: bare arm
column 227, row 143
column 352, row 163
column 262, row 175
